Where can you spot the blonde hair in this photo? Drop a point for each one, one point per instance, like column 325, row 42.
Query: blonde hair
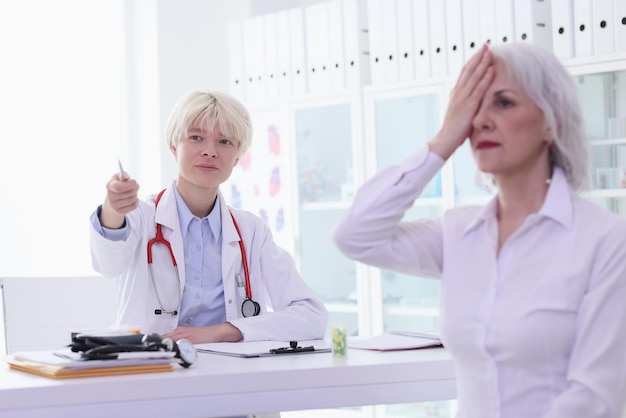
column 548, row 84
column 210, row 108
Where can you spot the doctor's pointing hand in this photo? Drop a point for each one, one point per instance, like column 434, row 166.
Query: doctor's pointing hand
column 121, row 198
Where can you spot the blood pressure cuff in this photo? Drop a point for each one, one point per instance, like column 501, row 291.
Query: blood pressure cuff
column 85, row 342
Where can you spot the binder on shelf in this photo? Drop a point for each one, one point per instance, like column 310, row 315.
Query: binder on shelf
column 389, row 19
column 583, row 30
column 523, row 21
column 406, row 63
column 454, row 36
column 487, row 11
column 562, row 28
column 471, row 28
column 533, row 22
column 504, row 22
column 283, row 54
column 619, row 21
column 375, row 32
column 236, row 60
column 317, row 47
column 421, row 39
column 438, row 56
column 522, row 12
column 603, row 27
column 356, row 43
column 271, row 56
column 336, row 64
column 297, row 51
column 254, row 63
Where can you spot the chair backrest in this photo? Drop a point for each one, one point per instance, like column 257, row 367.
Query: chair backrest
column 39, row 313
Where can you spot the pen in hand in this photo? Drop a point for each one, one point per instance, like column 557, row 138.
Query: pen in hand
column 122, row 175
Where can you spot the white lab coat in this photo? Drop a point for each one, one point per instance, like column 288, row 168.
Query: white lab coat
column 289, row 309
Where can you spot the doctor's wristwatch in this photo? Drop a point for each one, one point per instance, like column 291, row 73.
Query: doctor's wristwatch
column 111, row 345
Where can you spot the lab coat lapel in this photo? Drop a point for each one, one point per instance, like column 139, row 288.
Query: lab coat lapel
column 167, row 215
column 231, row 257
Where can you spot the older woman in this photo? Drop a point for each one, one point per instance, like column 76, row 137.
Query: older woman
column 533, row 285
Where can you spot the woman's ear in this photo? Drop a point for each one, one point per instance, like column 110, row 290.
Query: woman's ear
column 547, row 135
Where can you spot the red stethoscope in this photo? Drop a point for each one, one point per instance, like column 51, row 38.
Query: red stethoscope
column 249, row 307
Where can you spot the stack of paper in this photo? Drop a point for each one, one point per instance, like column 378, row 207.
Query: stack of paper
column 65, row 363
column 395, row 341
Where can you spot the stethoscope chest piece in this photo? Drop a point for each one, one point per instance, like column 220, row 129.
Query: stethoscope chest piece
column 250, row 308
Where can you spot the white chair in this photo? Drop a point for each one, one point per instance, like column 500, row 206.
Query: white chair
column 41, row 312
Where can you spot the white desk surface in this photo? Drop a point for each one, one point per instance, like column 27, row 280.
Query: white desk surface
column 217, row 386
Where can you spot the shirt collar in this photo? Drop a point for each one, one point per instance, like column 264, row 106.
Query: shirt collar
column 557, row 204
column 185, row 216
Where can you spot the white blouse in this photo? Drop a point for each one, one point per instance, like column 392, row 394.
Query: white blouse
column 536, row 331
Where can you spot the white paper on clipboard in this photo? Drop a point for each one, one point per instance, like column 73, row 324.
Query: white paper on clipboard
column 260, row 348
column 393, row 341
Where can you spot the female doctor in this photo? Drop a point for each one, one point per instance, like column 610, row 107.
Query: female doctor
column 224, row 278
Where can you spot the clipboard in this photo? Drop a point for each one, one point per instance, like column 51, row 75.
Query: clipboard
column 264, row 348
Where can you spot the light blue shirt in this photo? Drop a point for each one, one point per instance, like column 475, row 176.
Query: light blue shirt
column 203, row 294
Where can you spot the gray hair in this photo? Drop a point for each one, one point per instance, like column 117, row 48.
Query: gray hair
column 548, row 84
column 210, row 108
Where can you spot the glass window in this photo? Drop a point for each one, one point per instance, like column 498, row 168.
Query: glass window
column 325, row 187
column 402, row 124
column 603, row 101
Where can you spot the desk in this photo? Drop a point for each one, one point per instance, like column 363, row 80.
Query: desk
column 219, row 386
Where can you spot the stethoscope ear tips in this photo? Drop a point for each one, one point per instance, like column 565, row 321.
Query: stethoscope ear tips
column 152, row 338
column 183, row 348
column 169, row 344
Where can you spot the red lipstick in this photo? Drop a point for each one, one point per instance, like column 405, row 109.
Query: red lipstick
column 486, row 144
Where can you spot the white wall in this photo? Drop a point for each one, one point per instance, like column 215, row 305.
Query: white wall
column 65, row 120
column 60, row 107
column 70, row 110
